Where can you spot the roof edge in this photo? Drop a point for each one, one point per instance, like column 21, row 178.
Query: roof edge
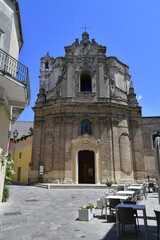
column 17, row 11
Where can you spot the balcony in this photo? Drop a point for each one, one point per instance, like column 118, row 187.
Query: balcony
column 14, row 78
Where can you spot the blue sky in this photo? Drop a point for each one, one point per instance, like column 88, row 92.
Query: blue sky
column 130, row 29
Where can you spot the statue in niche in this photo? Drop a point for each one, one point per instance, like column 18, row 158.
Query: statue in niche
column 112, row 89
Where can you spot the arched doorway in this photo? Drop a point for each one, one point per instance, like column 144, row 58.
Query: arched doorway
column 86, row 167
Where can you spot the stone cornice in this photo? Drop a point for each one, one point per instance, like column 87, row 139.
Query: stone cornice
column 109, row 106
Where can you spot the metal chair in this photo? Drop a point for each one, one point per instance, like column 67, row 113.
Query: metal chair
column 126, row 217
column 144, row 191
column 134, row 211
column 150, row 186
column 103, row 203
column 158, row 222
column 120, row 188
column 137, row 195
column 112, row 205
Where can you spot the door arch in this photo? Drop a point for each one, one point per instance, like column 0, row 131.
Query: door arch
column 90, row 144
column 86, row 167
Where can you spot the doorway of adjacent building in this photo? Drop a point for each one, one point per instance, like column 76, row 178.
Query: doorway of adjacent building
column 86, row 166
column 19, row 174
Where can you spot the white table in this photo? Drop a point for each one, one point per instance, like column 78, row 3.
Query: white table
column 137, row 184
column 137, row 189
column 123, row 193
column 134, row 207
column 122, row 198
column 116, row 197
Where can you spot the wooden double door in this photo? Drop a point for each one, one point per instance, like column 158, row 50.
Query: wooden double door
column 86, row 166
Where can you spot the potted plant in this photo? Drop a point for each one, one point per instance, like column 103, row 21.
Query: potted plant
column 86, row 212
column 109, row 184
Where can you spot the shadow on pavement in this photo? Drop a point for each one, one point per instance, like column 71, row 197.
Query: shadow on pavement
column 129, row 233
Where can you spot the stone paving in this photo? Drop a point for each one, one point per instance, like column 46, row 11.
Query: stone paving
column 52, row 214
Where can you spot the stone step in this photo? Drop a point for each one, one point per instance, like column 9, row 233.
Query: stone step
column 71, row 186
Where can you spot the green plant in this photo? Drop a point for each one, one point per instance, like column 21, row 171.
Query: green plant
column 24, row 137
column 2, row 158
column 8, row 173
column 89, row 206
column 108, row 183
column 9, row 170
column 5, row 194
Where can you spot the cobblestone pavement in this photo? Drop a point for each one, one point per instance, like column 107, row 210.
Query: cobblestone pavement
column 36, row 213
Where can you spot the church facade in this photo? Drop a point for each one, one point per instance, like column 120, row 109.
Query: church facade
column 88, row 125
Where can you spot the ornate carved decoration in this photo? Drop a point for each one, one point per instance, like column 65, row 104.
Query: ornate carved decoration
column 69, row 60
column 127, row 172
column 86, row 146
column 125, row 134
column 115, row 121
column 106, row 70
column 85, row 66
column 93, row 72
column 101, row 59
column 86, row 143
column 112, row 88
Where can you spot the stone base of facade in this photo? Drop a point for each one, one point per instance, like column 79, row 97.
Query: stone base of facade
column 121, row 178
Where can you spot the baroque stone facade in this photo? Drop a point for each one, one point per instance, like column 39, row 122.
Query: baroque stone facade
column 88, row 124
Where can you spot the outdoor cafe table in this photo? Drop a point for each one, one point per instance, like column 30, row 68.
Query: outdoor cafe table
column 137, row 189
column 122, row 198
column 133, row 187
column 126, row 193
column 134, row 207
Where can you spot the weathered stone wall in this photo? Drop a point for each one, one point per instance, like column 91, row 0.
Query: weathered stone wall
column 150, row 126
column 58, row 126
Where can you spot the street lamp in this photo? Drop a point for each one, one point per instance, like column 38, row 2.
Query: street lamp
column 15, row 135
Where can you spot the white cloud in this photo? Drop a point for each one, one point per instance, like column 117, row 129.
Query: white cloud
column 139, row 97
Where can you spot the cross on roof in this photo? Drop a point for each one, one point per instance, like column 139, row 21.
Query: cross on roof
column 84, row 27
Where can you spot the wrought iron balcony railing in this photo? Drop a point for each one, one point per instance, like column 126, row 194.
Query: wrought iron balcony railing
column 17, row 70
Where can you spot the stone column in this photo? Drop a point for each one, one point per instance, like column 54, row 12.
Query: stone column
column 137, row 149
column 103, row 161
column 125, row 152
column 70, row 80
column 56, row 163
column 115, row 149
column 110, row 153
column 68, row 149
column 36, row 150
column 47, row 158
column 101, row 81
column 62, row 150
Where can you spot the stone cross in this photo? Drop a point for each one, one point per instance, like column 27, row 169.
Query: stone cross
column 84, row 27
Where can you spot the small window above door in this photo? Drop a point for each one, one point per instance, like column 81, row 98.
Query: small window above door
column 86, row 126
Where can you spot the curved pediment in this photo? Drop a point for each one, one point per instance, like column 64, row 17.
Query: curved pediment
column 86, row 142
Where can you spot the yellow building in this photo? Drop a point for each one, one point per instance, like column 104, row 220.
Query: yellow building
column 21, row 152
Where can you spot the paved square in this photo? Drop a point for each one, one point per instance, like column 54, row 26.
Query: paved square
column 36, row 213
